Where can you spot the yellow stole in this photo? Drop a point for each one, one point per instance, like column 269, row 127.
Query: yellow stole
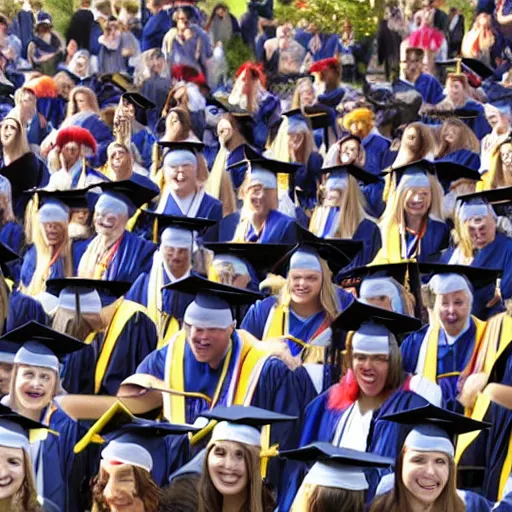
column 123, row 313
column 250, row 359
column 430, row 370
column 170, row 330
column 482, row 403
column 390, row 252
column 485, row 183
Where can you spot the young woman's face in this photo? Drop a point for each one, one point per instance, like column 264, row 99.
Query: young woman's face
column 12, row 471
column 455, row 91
column 8, row 132
column 425, row 475
column 371, row 372
column 418, row 201
column 506, row 157
column 256, row 199
column 34, row 387
column 120, row 493
column 182, row 177
column 82, row 102
column 70, row 153
column 307, row 96
column 333, row 197
column 55, row 233
column 305, row 285
column 227, row 468
column 452, row 134
column 349, row 151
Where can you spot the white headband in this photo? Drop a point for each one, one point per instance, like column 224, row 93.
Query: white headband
column 12, row 435
column 33, row 353
column 332, row 474
column 110, row 204
column 338, row 181
column 305, row 260
column 180, row 157
column 376, row 286
column 260, row 176
column 449, row 283
column 225, row 431
column 203, row 317
column 371, row 338
column 429, row 438
column 468, row 211
column 53, row 212
column 179, row 238
column 128, row 453
column 239, row 266
column 90, row 301
column 413, row 179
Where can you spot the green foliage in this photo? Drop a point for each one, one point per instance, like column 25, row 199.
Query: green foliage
column 9, row 8
column 237, row 52
column 61, row 12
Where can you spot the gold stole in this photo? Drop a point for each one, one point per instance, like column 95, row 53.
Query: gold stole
column 479, row 411
column 390, row 252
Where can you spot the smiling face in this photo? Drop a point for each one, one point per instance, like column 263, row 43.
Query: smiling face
column 227, row 467
column 55, row 233
column 208, row 345
column 256, row 199
column 109, row 224
column 506, row 158
column 452, row 134
column 482, row 231
column 371, row 372
column 34, row 387
column 453, row 310
column 8, row 133
column 418, row 201
column 425, row 475
column 305, row 286
column 349, row 151
column 182, row 178
column 12, row 471
column 177, row 260
column 120, row 492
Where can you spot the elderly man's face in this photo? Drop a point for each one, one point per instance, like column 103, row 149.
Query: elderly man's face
column 109, row 224
column 453, row 310
column 209, row 345
column 177, row 260
column 482, row 231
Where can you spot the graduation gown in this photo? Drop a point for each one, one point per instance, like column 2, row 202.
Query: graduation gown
column 331, row 98
column 307, row 178
column 143, row 141
column 21, row 308
column 268, row 114
column 278, row 229
column 37, row 130
column 209, row 208
column 463, row 157
column 12, row 235
column 154, row 30
column 376, row 148
column 451, row 360
column 427, row 85
column 113, row 354
column 29, row 264
column 479, row 124
column 238, row 172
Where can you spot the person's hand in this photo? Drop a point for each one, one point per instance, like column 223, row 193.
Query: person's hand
column 278, row 347
column 474, row 384
column 62, row 161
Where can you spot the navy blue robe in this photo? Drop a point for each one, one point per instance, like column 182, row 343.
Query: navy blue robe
column 279, row 229
column 210, row 208
column 376, row 148
column 307, row 178
column 237, row 172
column 21, row 308
column 450, row 359
column 479, row 124
column 144, row 141
column 331, row 98
column 427, row 85
column 12, row 235
column 463, row 157
column 154, row 30
column 37, row 130
column 435, row 239
column 267, row 115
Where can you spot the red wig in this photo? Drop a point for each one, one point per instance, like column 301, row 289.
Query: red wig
column 188, row 74
column 321, row 65
column 42, row 87
column 78, row 135
column 255, row 70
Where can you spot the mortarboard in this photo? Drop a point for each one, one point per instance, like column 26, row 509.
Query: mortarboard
column 6, row 256
column 414, row 174
column 471, row 205
column 357, row 172
column 73, row 199
column 120, row 80
column 129, row 192
column 186, row 145
column 15, row 429
column 500, row 199
column 315, row 118
column 448, row 172
column 138, row 100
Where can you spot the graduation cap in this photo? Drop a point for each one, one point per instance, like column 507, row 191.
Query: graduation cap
column 119, row 423
column 7, row 255
column 185, row 145
column 360, row 174
column 138, row 100
column 73, row 199
column 120, row 80
column 473, row 205
column 41, row 346
column 499, row 198
column 74, row 77
column 86, row 295
column 468, row 65
column 414, row 174
column 181, row 229
column 15, row 429
column 357, row 313
column 315, row 118
column 131, row 193
column 476, row 276
column 447, row 172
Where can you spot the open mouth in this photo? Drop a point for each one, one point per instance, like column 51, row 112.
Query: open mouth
column 35, row 394
column 428, row 485
column 229, row 478
column 368, row 378
column 5, row 482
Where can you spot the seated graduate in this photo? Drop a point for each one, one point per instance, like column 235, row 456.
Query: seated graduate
column 118, row 333
column 11, row 231
column 443, row 350
column 173, row 260
column 499, row 173
column 498, row 116
column 329, row 75
column 428, row 455
column 21, row 495
column 336, row 482
column 259, row 220
column 238, row 445
column 342, row 213
column 115, row 254
column 35, row 124
column 411, row 225
column 83, row 111
column 360, row 123
column 52, row 253
column 480, row 243
column 458, row 144
column 427, row 85
column 35, row 383
column 125, row 474
column 178, row 126
column 211, row 363
column 294, row 142
column 68, row 160
column 19, row 165
column 250, row 95
column 182, row 183
column 373, row 382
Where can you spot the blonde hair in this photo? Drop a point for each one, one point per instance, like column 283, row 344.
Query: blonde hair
column 352, row 212
column 21, row 147
column 91, row 97
column 466, row 140
column 298, row 89
column 44, row 257
column 496, row 171
column 328, row 296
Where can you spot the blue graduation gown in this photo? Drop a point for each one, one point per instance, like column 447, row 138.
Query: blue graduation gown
column 373, row 194
column 237, row 172
column 331, row 98
column 267, row 114
column 53, row 110
column 436, row 238
column 479, row 124
column 307, row 178
column 376, row 148
column 496, row 255
column 144, row 141
column 12, row 235
column 138, row 338
column 463, row 157
column 133, row 257
column 430, row 89
column 154, row 30
column 450, row 359
column 279, row 229
column 37, row 130
column 210, row 208
column 328, row 48
column 28, row 266
column 21, row 308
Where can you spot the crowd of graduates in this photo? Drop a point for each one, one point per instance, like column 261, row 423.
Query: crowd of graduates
column 219, row 298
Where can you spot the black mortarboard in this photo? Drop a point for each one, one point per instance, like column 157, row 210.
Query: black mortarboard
column 499, row 198
column 163, row 221
column 120, row 80
column 246, row 415
column 6, row 256
column 138, row 100
column 76, row 198
column 133, row 194
column 477, row 277
column 357, row 172
column 450, row 171
column 111, row 288
column 419, row 166
column 189, row 145
column 8, row 414
column 315, row 118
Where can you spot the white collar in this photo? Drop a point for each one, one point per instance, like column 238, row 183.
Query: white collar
column 450, row 340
